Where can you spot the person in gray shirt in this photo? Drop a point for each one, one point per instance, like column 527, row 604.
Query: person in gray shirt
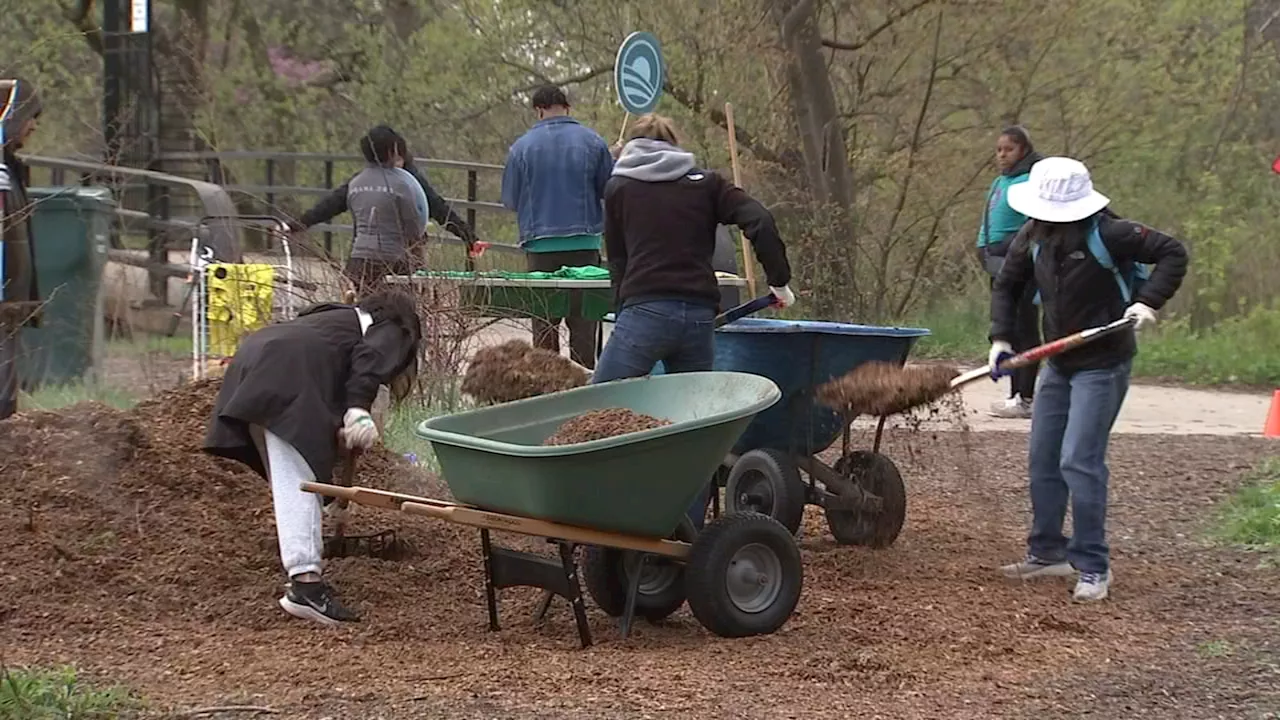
column 389, row 210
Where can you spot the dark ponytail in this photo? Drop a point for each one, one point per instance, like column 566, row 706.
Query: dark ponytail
column 379, row 144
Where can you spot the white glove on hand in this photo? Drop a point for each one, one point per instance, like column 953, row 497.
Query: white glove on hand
column 1142, row 313
column 785, row 297
column 1000, row 351
column 358, row 429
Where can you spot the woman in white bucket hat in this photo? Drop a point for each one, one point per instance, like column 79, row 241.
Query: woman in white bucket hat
column 1085, row 263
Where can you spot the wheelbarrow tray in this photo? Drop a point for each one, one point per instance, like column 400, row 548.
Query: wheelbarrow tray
column 800, row 356
column 637, row 484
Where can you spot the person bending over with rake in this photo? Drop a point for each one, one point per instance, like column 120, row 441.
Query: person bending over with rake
column 294, row 396
column 1088, row 266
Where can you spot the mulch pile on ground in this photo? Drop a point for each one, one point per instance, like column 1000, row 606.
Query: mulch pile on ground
column 120, row 512
column 600, row 424
column 881, row 388
column 516, row 370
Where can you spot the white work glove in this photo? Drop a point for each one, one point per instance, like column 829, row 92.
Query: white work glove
column 1000, row 351
column 785, row 297
column 1142, row 313
column 358, row 429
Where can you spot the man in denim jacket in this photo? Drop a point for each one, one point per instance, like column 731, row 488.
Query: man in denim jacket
column 554, row 181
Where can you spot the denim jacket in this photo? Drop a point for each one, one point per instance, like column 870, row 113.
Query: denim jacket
column 554, row 180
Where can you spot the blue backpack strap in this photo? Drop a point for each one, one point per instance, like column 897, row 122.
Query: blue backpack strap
column 1103, row 256
column 1035, row 254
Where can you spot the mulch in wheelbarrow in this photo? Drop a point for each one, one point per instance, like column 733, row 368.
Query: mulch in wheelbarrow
column 516, row 370
column 881, row 388
column 600, row 424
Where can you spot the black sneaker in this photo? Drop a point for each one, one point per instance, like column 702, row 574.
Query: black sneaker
column 315, row 601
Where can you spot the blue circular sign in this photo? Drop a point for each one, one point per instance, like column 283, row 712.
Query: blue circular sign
column 638, row 73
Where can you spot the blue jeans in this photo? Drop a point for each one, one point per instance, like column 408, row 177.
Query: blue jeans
column 1071, row 423
column 680, row 334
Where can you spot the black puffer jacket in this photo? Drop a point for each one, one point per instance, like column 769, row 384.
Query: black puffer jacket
column 21, row 291
column 1077, row 292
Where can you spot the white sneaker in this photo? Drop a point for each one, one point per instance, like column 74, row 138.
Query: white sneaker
column 1014, row 408
column 1033, row 567
column 1092, row 587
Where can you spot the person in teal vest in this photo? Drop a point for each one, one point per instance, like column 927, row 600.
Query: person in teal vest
column 1014, row 157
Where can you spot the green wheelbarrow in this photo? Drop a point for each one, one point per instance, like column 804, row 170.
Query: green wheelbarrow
column 623, row 498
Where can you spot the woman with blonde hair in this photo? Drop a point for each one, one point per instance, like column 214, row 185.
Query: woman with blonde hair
column 661, row 214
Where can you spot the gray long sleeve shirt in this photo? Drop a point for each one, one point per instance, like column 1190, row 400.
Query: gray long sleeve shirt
column 387, row 220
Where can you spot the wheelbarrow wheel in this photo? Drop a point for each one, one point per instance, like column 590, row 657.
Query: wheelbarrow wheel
column 744, row 575
column 876, row 474
column 605, row 575
column 766, row 481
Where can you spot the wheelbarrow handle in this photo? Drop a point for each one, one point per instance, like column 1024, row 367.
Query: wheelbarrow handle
column 745, row 309
column 1050, row 349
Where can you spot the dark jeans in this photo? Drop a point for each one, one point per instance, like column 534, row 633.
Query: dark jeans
column 680, row 334
column 582, row 332
column 9, row 349
column 370, row 275
column 1070, row 428
column 1026, row 331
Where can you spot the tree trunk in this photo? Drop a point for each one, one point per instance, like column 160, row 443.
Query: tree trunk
column 826, row 159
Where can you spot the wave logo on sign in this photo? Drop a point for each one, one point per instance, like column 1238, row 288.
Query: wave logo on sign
column 639, row 73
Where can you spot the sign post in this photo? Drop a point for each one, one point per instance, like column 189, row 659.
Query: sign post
column 638, row 75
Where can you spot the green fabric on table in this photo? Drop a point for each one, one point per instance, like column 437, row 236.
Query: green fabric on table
column 586, row 272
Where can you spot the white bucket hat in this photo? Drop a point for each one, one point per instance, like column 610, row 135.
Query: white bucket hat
column 1058, row 190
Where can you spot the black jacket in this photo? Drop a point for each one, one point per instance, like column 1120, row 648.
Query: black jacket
column 298, row 378
column 21, row 289
column 661, row 236
column 335, row 203
column 1077, row 292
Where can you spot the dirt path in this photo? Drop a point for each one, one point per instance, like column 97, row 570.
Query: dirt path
column 925, row 629
column 1149, row 410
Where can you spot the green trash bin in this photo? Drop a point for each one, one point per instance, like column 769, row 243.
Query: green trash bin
column 71, row 227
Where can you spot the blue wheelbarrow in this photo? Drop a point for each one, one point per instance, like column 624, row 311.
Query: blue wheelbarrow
column 862, row 494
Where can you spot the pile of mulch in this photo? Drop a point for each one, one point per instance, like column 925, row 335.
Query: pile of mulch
column 928, row 624
column 120, row 512
column 515, row 370
column 880, row 388
column 600, row 424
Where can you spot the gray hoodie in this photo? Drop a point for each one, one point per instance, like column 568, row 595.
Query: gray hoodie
column 653, row 161
column 387, row 223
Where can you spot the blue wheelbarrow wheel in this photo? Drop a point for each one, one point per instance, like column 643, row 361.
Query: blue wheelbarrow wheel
column 875, row 474
column 606, row 572
column 744, row 575
column 766, row 481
